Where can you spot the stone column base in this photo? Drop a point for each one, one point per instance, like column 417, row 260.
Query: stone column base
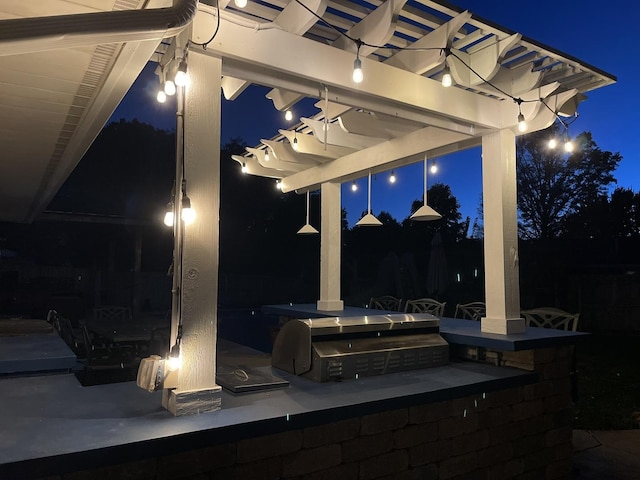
column 193, row 402
column 330, row 305
column 502, row 326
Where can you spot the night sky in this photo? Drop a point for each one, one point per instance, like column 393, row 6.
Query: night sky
column 599, row 33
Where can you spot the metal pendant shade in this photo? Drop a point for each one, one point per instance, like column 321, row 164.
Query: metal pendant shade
column 307, row 228
column 425, row 213
column 369, row 220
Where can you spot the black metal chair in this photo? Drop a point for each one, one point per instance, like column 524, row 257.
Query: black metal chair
column 386, row 302
column 100, row 358
column 425, row 305
column 471, row 311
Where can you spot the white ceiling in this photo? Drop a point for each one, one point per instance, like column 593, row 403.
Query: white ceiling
column 53, row 102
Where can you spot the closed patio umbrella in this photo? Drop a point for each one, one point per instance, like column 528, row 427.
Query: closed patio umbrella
column 437, row 271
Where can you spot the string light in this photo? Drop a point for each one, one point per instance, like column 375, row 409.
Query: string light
column 243, row 169
column 266, row 155
column 188, row 214
column 161, row 96
column 354, row 186
column 357, row 75
column 552, row 143
column 294, row 145
column 522, row 124
column 182, row 78
column 168, row 216
column 170, row 88
column 240, row 3
column 434, row 167
column 288, row 115
column 392, row 177
column 279, row 184
column 447, row 80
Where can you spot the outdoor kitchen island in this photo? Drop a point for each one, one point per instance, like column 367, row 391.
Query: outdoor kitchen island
column 459, row 420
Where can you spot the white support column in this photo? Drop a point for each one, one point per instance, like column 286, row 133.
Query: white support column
column 197, row 391
column 502, row 280
column 330, row 243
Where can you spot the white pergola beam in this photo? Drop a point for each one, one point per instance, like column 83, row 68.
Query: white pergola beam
column 309, row 61
column 407, row 148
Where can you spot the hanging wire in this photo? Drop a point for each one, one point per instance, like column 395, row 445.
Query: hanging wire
column 215, row 32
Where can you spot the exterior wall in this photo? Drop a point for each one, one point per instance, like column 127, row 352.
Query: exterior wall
column 522, row 433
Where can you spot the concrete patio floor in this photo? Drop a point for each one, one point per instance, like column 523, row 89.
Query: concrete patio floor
column 611, row 454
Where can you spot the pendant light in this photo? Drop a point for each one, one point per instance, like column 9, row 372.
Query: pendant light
column 307, row 228
column 425, row 213
column 369, row 220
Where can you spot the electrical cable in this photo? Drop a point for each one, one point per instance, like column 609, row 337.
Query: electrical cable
column 215, row 32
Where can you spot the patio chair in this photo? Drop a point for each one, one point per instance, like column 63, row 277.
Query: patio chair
column 159, row 343
column 550, row 317
column 386, row 302
column 471, row 311
column 425, row 305
column 99, row 358
column 66, row 331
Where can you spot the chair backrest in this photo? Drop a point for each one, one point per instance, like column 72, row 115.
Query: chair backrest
column 159, row 343
column 112, row 313
column 88, row 344
column 385, row 302
column 425, row 305
column 471, row 311
column 550, row 317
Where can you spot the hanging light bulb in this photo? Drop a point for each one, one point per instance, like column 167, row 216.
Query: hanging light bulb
column 553, row 143
column 240, row 3
column 169, row 88
column 288, row 115
column 243, row 169
column 168, row 216
column 434, row 167
column 357, row 76
column 392, row 177
column 568, row 145
column 522, row 125
column 182, row 78
column 266, row 155
column 279, row 184
column 161, row 96
column 188, row 214
column 294, row 145
column 447, row 80
column 354, row 186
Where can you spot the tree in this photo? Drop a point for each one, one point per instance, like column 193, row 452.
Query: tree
column 446, row 204
column 553, row 185
column 612, row 217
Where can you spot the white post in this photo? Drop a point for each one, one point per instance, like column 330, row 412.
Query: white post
column 197, row 391
column 330, row 243
column 502, row 280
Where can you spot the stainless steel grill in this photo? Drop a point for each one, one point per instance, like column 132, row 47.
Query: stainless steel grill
column 337, row 348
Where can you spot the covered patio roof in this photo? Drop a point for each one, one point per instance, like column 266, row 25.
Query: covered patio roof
column 63, row 76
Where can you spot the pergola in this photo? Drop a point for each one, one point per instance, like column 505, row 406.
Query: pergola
column 65, row 66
